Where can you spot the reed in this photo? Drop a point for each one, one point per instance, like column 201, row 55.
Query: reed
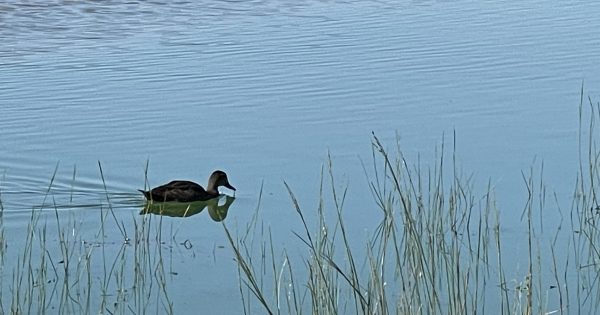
column 78, row 273
column 439, row 247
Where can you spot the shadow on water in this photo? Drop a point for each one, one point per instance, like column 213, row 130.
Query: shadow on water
column 216, row 210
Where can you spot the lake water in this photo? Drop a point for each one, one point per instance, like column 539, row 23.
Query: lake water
column 264, row 90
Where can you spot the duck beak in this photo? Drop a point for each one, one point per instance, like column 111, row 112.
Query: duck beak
column 229, row 186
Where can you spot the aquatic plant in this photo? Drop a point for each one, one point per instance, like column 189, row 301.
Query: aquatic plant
column 439, row 247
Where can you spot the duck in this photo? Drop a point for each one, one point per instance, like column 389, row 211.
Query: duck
column 187, row 191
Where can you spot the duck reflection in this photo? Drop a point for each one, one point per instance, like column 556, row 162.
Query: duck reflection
column 217, row 209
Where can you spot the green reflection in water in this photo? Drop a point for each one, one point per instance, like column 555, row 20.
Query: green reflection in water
column 217, row 212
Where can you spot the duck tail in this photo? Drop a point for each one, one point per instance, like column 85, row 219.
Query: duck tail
column 146, row 194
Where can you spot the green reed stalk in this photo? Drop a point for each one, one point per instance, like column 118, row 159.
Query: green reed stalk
column 121, row 226
column 2, row 243
column 252, row 282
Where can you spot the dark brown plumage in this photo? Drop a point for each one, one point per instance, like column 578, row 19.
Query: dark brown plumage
column 186, row 191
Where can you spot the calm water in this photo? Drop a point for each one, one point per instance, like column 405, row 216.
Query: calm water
column 264, row 89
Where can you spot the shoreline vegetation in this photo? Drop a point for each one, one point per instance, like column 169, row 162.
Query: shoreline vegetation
column 439, row 248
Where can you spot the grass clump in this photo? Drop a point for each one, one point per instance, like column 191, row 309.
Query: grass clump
column 439, row 246
column 78, row 269
column 428, row 254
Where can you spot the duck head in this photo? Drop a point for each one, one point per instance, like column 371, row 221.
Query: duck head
column 218, row 178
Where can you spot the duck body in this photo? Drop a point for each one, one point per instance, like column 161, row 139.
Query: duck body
column 179, row 190
column 187, row 191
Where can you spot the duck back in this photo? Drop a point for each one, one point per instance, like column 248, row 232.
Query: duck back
column 178, row 190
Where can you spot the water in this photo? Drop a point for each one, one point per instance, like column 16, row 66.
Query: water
column 264, row 89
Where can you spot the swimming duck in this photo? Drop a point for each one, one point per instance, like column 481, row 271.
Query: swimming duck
column 186, row 191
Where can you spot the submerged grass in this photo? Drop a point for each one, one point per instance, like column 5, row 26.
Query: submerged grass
column 439, row 247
